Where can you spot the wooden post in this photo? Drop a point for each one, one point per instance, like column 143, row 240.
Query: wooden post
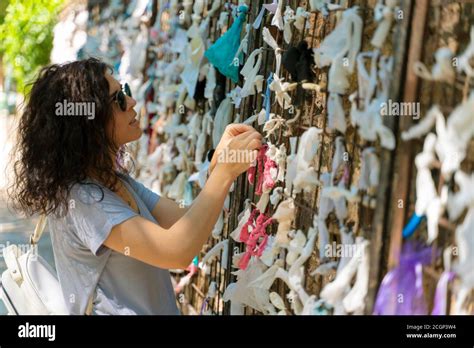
column 404, row 155
column 378, row 234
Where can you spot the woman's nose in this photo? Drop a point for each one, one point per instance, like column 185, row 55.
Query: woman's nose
column 131, row 102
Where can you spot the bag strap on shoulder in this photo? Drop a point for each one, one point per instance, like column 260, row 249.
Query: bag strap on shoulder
column 89, row 305
column 35, row 237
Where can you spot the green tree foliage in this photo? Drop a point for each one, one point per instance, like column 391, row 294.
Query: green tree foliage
column 26, row 37
column 3, row 9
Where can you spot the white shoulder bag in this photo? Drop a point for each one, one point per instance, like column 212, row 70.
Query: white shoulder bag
column 29, row 285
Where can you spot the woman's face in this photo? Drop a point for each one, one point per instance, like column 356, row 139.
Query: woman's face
column 125, row 127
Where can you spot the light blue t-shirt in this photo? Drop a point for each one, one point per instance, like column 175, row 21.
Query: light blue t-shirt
column 120, row 284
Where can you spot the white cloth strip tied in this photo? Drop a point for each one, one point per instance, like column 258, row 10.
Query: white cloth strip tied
column 367, row 83
column 462, row 199
column 324, row 269
column 326, row 206
column 244, row 44
column 277, row 301
column 237, row 291
column 369, row 175
column 223, row 20
column 273, row 124
column 343, row 42
column 217, row 231
column 339, row 50
column 369, row 117
column 354, row 302
column 270, row 253
column 294, row 278
column 268, row 38
column 323, row 6
column 424, row 126
column 198, row 8
column 182, row 161
column 277, row 19
column 216, row 4
column 201, row 175
column 236, row 97
column 276, row 196
column 454, row 136
column 253, row 82
column 295, row 247
column 301, row 16
column 296, row 271
column 338, row 76
column 210, row 84
column 260, row 118
column 465, row 243
column 176, row 190
column 193, row 56
column 386, row 64
column 222, row 118
column 442, row 70
column 242, row 218
column 338, row 84
column 174, row 127
column 306, row 177
column 206, row 127
column 185, row 16
column 265, row 7
column 334, row 198
column 261, row 287
column 338, row 159
column 338, row 196
column 288, row 18
column 347, row 243
column 467, row 56
column 216, row 250
column 384, row 14
column 284, row 214
column 336, row 115
column 281, row 91
column 262, row 297
column 427, row 200
column 291, row 166
column 194, row 127
column 334, row 292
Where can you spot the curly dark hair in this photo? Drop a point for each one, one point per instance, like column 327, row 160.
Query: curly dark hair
column 56, row 152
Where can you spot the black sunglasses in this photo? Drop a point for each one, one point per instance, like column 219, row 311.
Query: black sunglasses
column 120, row 98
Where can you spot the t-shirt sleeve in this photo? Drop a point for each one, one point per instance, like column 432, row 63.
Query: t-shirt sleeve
column 148, row 197
column 94, row 212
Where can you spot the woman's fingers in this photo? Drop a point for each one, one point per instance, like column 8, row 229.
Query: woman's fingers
column 238, row 128
column 246, row 145
column 245, row 134
column 254, row 144
column 253, row 156
column 255, row 136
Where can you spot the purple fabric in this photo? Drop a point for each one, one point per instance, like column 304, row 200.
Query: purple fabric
column 441, row 295
column 205, row 303
column 401, row 291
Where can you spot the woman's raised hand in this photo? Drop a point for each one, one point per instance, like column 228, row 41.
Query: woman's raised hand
column 236, row 150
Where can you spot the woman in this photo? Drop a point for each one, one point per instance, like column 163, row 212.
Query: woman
column 113, row 239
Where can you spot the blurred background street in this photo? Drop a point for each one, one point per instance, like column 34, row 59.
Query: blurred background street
column 14, row 228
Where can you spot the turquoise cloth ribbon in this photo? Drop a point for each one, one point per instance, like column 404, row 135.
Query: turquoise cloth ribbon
column 222, row 53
